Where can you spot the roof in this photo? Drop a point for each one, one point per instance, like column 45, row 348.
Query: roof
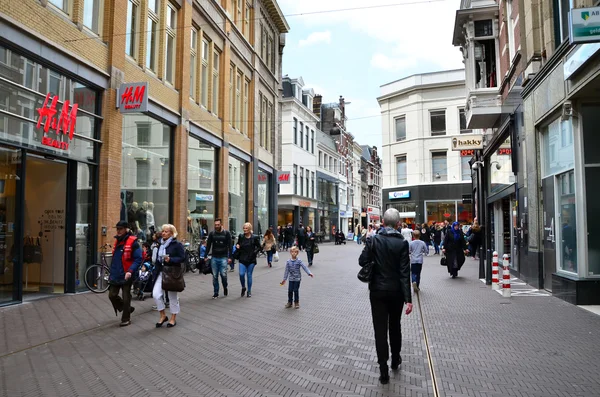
column 366, row 152
column 277, row 15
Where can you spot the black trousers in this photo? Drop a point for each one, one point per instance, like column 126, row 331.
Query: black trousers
column 386, row 308
column 121, row 304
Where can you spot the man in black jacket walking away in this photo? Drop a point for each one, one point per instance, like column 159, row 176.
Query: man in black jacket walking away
column 219, row 241
column 389, row 288
column 301, row 235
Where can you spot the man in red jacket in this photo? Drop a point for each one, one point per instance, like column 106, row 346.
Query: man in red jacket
column 126, row 259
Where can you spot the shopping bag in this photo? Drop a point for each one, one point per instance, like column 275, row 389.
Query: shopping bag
column 276, row 257
column 316, row 249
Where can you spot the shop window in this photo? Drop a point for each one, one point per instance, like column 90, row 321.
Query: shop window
column 438, row 122
column 202, row 160
column 465, row 168
column 501, row 174
column 401, row 170
column 92, row 15
column 558, row 152
column 568, row 221
column 237, row 195
column 263, row 202
column 462, row 117
column 400, row 128
column 440, row 211
column 142, row 173
column 132, row 38
column 439, row 166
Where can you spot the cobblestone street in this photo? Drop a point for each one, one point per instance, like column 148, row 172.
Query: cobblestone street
column 481, row 344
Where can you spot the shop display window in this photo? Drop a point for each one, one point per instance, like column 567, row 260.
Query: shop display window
column 237, row 195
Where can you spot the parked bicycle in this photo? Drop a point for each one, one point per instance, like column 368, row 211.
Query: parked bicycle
column 192, row 258
column 96, row 276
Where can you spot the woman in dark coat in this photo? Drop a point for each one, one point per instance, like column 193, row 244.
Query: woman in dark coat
column 455, row 246
column 426, row 235
column 310, row 245
column 474, row 237
column 436, row 232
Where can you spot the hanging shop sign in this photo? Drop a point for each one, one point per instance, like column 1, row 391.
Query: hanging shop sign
column 65, row 122
column 401, row 194
column 303, row 203
column 133, row 97
column 584, row 25
column 467, row 142
column 283, row 178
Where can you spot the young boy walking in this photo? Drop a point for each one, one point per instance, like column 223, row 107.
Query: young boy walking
column 292, row 270
column 417, row 248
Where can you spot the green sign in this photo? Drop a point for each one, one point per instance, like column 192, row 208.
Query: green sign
column 584, row 25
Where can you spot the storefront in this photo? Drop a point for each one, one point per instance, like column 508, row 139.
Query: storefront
column 374, row 215
column 263, row 201
column 49, row 129
column 328, row 205
column 202, row 188
column 238, row 191
column 297, row 211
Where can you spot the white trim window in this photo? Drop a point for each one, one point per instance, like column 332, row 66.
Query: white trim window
column 93, row 15
column 465, row 168
column 238, row 100
column 245, row 121
column 215, row 80
column 462, row 121
column 401, row 170
column 132, row 38
column 193, row 62
column 205, row 49
column 231, row 97
column 400, row 125
column 63, row 5
column 437, row 120
column 152, row 35
column 170, row 43
column 439, row 166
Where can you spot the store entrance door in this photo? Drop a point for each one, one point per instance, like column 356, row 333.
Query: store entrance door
column 549, row 231
column 44, row 227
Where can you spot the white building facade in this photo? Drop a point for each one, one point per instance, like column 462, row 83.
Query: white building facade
column 423, row 177
column 298, row 198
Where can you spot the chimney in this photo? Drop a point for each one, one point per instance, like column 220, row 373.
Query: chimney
column 317, row 105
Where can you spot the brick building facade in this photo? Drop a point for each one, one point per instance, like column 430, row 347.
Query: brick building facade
column 207, row 147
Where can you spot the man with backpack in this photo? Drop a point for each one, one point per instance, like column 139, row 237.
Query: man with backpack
column 219, row 241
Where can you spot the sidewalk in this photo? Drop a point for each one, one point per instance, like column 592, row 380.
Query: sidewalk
column 481, row 344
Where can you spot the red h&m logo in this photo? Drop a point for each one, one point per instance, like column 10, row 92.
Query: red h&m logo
column 284, row 177
column 66, row 121
column 261, row 177
column 133, row 98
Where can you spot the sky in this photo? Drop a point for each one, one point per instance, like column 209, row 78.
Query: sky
column 353, row 52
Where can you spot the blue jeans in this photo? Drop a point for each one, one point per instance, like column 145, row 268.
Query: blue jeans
column 294, row 289
column 437, row 248
column 310, row 254
column 219, row 266
column 269, row 257
column 415, row 272
column 246, row 269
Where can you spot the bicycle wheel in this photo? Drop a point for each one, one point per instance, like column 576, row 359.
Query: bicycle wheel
column 192, row 261
column 96, row 278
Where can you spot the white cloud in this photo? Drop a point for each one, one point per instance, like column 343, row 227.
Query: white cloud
column 316, row 38
column 421, row 33
column 393, row 64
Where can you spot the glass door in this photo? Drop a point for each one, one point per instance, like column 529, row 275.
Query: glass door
column 567, row 226
column 10, row 207
column 549, row 231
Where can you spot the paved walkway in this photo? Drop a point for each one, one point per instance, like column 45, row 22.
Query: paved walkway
column 480, row 344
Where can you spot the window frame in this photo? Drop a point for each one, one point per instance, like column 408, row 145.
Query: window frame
column 295, row 130
column 98, row 9
column 399, row 159
column 170, row 33
column 437, row 113
column 133, row 37
column 442, row 171
column 216, row 79
column 462, row 113
column 396, row 120
column 194, row 68
column 152, row 39
column 66, row 7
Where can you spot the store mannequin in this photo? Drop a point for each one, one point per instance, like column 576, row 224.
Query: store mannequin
column 132, row 215
column 141, row 217
column 150, row 216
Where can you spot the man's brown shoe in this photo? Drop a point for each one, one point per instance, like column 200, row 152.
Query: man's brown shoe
column 297, row 305
column 288, row 305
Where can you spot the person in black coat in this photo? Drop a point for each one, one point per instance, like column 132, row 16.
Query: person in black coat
column 436, row 232
column 389, row 287
column 455, row 247
column 170, row 253
column 426, row 235
column 246, row 250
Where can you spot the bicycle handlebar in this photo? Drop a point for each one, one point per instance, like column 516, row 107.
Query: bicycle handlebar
column 106, row 246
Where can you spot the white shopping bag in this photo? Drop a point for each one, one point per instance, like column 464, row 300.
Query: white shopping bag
column 276, row 257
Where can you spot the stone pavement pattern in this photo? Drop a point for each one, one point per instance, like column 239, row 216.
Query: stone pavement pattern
column 482, row 344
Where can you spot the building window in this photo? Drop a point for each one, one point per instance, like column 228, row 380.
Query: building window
column 246, row 30
column 463, row 122
column 301, row 134
column 510, row 27
column 92, row 15
column 143, row 133
column 400, row 129
column 132, row 38
column 312, row 141
column 301, row 181
column 238, row 100
column 438, row 167
column 142, row 173
column 306, row 136
column 312, row 184
column 335, row 165
column 465, row 168
column 231, row 97
column 561, row 10
column 295, row 128
column 193, row 62
column 320, row 158
column 204, row 81
column 401, row 170
column 438, row 122
column 215, row 81
column 295, row 179
column 62, row 5
column 246, row 121
column 152, row 35
column 166, row 136
column 270, row 117
column 164, row 173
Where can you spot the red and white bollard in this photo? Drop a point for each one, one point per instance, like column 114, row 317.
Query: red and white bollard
column 505, row 277
column 495, row 272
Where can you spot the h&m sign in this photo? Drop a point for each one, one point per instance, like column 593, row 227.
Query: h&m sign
column 66, row 121
column 283, row 178
column 133, row 97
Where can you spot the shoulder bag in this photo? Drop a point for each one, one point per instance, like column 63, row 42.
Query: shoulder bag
column 365, row 273
column 172, row 277
column 315, row 248
column 443, row 261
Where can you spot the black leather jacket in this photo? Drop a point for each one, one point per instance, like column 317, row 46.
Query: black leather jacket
column 391, row 271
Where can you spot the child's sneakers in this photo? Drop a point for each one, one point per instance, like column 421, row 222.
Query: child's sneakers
column 297, row 305
column 288, row 305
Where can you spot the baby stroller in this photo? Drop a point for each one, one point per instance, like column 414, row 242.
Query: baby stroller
column 144, row 283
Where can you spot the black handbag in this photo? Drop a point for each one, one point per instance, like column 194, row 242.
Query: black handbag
column 366, row 273
column 205, row 266
column 444, row 261
column 172, row 277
